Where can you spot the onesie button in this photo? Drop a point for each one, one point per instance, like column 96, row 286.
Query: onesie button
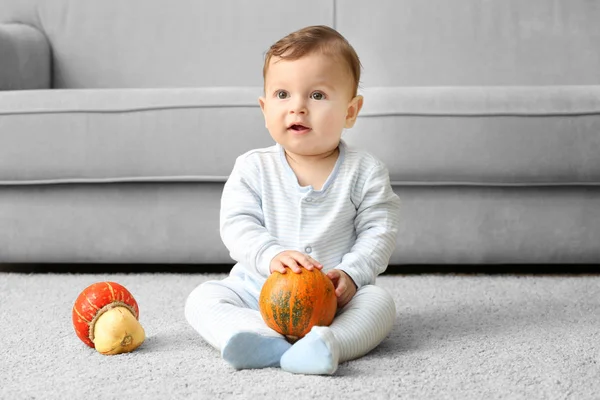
column 308, row 199
column 308, row 249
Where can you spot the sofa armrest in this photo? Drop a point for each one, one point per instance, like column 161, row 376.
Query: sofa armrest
column 25, row 58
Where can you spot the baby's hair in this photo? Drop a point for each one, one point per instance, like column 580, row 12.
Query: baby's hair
column 319, row 38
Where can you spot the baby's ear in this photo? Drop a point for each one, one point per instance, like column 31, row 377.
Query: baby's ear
column 261, row 101
column 353, row 109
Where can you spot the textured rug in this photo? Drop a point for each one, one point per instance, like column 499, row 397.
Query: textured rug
column 456, row 337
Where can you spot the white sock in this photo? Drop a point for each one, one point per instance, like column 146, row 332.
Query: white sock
column 317, row 353
column 251, row 350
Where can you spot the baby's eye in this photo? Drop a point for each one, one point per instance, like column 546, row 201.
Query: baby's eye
column 282, row 94
column 317, row 96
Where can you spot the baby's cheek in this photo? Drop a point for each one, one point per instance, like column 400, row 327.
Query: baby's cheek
column 335, row 120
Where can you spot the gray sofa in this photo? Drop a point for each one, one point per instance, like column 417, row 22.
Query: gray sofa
column 120, row 121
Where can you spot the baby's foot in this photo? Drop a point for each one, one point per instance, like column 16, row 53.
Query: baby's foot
column 316, row 353
column 251, row 350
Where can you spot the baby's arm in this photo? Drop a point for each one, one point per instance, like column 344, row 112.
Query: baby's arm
column 376, row 224
column 242, row 221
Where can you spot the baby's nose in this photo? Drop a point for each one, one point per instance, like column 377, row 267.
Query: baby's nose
column 298, row 110
column 298, row 107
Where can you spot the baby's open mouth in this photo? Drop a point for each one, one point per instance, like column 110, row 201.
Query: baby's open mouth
column 298, row 127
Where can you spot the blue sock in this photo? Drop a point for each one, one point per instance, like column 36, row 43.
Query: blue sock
column 251, row 350
column 316, row 353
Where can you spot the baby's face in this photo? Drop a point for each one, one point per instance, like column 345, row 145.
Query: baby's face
column 308, row 102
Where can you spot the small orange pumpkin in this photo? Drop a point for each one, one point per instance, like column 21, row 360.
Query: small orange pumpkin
column 292, row 303
column 105, row 317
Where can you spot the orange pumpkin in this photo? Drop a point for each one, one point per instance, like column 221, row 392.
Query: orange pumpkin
column 292, row 303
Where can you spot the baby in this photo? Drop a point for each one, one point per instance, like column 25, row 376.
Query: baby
column 308, row 202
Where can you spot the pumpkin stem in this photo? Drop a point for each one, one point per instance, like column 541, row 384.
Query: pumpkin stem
column 292, row 339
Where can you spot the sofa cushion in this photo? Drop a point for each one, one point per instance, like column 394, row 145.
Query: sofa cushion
column 483, row 135
column 127, row 135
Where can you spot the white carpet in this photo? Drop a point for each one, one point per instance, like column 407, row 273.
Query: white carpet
column 456, row 337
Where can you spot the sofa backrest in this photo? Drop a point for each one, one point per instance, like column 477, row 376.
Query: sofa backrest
column 474, row 42
column 162, row 43
column 194, row 43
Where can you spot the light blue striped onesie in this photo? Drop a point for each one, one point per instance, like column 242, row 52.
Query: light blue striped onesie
column 350, row 224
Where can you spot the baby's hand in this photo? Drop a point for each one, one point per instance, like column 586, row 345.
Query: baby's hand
column 345, row 288
column 294, row 260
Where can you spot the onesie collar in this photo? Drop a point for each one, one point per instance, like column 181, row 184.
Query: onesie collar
column 332, row 176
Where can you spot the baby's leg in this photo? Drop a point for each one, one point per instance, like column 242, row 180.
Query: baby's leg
column 364, row 322
column 359, row 327
column 225, row 314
